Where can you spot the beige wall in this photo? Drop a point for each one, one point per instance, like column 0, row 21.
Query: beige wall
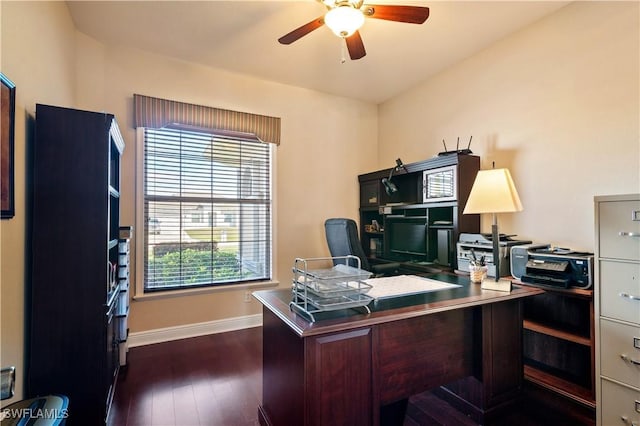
column 38, row 55
column 557, row 103
column 326, row 142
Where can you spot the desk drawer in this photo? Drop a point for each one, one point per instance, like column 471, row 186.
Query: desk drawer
column 618, row 403
column 619, row 230
column 620, row 290
column 617, row 341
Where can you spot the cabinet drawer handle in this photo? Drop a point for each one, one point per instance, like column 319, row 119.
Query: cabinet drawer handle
column 629, row 296
column 626, row 421
column 629, row 234
column 626, row 358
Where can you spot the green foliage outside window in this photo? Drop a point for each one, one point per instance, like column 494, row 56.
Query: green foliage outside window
column 204, row 267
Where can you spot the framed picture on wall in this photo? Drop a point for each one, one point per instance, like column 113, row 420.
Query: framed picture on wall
column 7, row 130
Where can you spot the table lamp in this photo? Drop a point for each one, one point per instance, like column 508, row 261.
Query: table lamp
column 493, row 192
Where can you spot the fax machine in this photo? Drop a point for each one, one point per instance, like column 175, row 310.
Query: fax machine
column 542, row 265
column 480, row 245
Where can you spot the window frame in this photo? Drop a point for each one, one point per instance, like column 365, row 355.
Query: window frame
column 139, row 233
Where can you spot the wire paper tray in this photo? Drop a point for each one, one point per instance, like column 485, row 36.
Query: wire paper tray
column 339, row 302
column 338, row 274
column 324, row 289
column 328, row 289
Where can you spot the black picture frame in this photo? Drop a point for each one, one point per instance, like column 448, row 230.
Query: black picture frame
column 7, row 135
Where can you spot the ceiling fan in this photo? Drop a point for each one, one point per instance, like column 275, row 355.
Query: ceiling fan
column 345, row 17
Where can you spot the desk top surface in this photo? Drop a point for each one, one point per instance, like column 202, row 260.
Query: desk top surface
column 392, row 309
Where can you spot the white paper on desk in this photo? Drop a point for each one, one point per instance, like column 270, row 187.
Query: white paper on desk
column 403, row 285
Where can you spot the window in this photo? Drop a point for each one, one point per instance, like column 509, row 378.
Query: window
column 207, row 209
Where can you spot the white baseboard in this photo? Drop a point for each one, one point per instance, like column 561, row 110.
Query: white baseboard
column 160, row 335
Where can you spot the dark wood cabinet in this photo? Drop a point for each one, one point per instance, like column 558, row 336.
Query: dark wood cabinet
column 74, row 227
column 441, row 221
column 369, row 193
column 559, row 342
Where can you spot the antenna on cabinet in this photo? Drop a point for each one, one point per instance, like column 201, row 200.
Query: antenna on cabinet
column 457, row 151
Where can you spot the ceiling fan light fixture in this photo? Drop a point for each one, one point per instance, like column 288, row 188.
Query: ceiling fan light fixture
column 344, row 20
column 334, row 3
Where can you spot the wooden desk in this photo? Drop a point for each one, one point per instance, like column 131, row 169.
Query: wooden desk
column 349, row 368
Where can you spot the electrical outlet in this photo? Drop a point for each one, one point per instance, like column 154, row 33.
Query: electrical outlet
column 247, row 296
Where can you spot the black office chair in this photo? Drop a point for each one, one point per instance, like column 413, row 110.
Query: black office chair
column 343, row 240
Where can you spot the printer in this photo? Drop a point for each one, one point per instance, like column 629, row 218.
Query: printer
column 480, row 245
column 544, row 266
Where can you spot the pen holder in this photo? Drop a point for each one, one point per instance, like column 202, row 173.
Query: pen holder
column 477, row 273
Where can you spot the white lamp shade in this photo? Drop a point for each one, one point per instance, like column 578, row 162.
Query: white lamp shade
column 493, row 191
column 344, row 20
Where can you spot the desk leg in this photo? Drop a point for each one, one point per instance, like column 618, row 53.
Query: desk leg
column 282, row 373
column 498, row 371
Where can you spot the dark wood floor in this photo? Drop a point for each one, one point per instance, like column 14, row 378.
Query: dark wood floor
column 216, row 380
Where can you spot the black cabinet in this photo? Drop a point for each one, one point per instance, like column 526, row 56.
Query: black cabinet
column 413, row 227
column 74, row 230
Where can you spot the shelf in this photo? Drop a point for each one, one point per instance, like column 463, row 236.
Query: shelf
column 114, row 192
column 554, row 332
column 561, row 386
column 370, row 209
column 559, row 327
column 577, row 292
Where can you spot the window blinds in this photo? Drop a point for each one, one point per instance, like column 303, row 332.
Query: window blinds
column 207, row 201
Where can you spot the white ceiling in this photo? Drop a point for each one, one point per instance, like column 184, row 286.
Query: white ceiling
column 241, row 36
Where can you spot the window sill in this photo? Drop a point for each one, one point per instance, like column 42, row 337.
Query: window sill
column 203, row 290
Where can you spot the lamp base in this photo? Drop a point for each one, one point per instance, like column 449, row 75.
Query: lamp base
column 492, row 284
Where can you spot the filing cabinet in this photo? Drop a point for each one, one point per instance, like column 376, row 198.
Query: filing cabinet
column 617, row 309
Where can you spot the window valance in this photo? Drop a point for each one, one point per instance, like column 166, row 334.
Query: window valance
column 156, row 113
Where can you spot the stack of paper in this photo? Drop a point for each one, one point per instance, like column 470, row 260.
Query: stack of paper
column 403, row 285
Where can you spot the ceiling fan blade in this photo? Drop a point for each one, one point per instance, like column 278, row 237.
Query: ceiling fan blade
column 355, row 46
column 409, row 14
column 301, row 31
